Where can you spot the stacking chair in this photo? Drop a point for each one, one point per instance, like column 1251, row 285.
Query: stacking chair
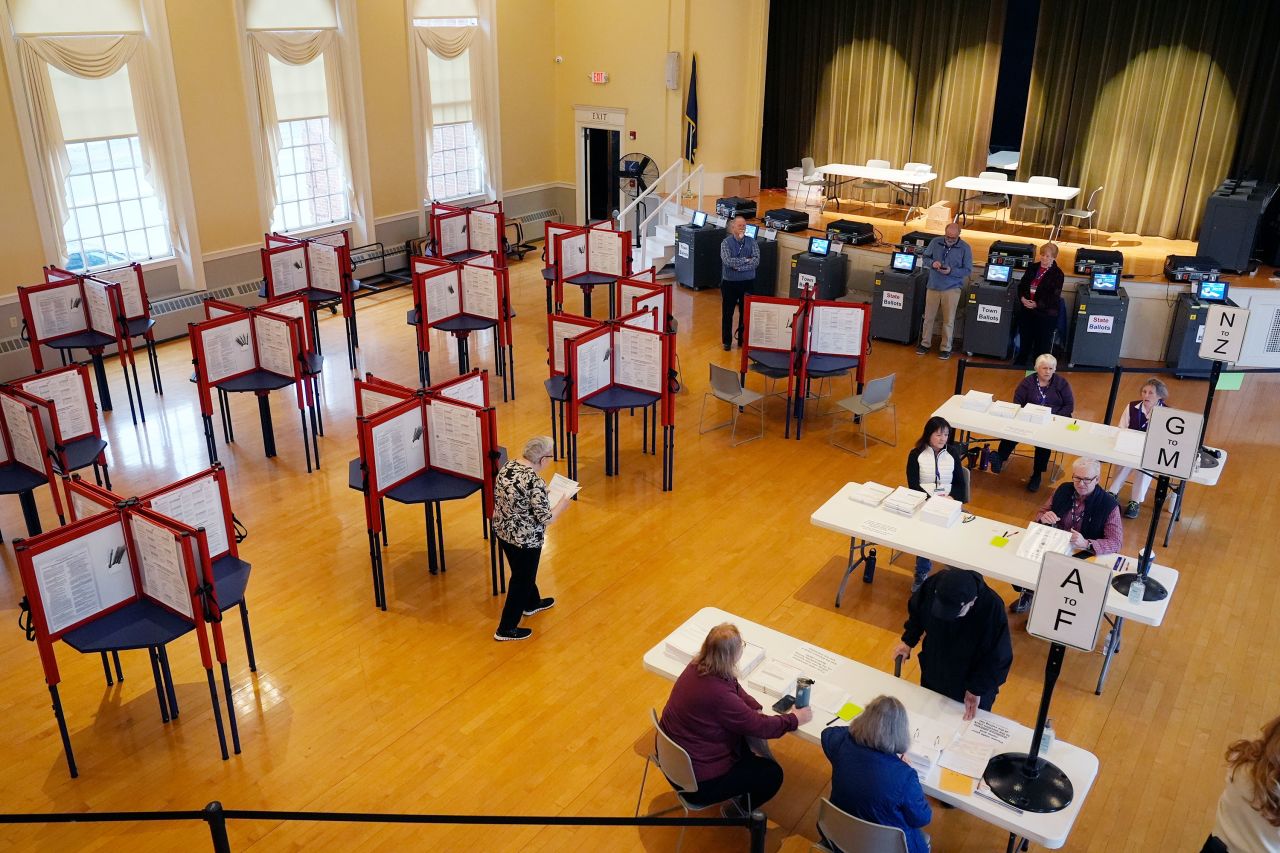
column 843, row 833
column 677, row 767
column 876, row 396
column 870, row 185
column 1080, row 214
column 810, row 177
column 996, row 200
column 1036, row 205
column 726, row 385
column 920, row 167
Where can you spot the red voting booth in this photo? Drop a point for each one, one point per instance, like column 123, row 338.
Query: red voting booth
column 136, row 310
column 126, row 577
column 68, row 418
column 589, row 257
column 462, row 233
column 642, row 292
column 319, row 270
column 253, row 352
column 25, row 460
column 461, row 298
column 70, row 312
column 561, row 327
column 424, row 446
column 804, row 339
column 622, row 364
column 550, row 266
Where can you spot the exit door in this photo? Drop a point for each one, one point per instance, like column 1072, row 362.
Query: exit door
column 601, row 151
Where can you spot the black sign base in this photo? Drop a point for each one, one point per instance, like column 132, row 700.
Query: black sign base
column 1040, row 788
column 1154, row 590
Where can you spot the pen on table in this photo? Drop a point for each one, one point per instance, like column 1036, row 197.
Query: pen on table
column 832, row 720
column 1119, row 564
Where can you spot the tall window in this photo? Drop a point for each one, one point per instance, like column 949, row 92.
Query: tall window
column 455, row 166
column 114, row 213
column 310, row 186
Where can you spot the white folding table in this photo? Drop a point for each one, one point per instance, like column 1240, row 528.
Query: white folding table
column 971, row 544
column 970, row 187
column 863, row 683
column 908, row 182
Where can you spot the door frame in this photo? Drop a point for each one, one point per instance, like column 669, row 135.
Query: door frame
column 587, row 116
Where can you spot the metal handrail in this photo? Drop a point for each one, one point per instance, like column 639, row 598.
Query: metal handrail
column 698, row 171
column 651, row 190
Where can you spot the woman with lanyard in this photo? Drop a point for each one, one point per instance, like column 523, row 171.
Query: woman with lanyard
column 1042, row 388
column 933, row 467
column 1137, row 415
column 1039, row 292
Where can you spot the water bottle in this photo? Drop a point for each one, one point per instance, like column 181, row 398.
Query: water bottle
column 1046, row 739
column 804, row 689
column 1136, row 590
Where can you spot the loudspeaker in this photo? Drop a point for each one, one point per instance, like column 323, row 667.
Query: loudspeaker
column 673, row 70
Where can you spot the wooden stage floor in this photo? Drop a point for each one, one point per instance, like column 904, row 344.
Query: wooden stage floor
column 419, row 710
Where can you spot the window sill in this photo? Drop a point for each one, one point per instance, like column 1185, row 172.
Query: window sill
column 313, row 230
column 460, row 201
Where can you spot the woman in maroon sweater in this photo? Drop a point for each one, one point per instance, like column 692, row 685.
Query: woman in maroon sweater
column 1038, row 295
column 712, row 718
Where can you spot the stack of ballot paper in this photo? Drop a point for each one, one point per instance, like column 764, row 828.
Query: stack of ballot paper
column 1043, row 539
column 827, row 697
column 1001, row 409
column 1130, row 441
column 941, row 510
column 967, row 758
column 752, row 656
column 685, row 642
column 775, row 677
column 1035, row 414
column 928, row 738
column 869, row 493
column 904, row 501
column 976, row 401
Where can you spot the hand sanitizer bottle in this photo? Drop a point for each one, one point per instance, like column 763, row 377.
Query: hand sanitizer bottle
column 1136, row 590
column 1046, row 739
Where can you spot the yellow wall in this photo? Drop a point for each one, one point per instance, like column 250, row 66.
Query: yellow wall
column 384, row 67
column 728, row 38
column 526, row 91
column 21, row 252
column 215, row 122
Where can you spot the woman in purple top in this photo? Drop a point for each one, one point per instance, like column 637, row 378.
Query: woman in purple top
column 1042, row 388
column 1137, row 415
column 869, row 778
column 712, row 718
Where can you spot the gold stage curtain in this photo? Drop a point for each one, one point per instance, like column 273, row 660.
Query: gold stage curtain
column 1143, row 98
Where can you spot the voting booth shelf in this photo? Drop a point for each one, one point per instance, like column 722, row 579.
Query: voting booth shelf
column 462, row 233
column 318, row 269
column 425, row 446
column 71, row 311
column 258, row 352
column 121, row 578
column 625, row 363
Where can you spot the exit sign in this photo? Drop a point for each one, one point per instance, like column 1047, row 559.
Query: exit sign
column 599, row 76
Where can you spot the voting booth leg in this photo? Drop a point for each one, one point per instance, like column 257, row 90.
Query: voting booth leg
column 155, row 675
column 30, row 512
column 511, row 369
column 167, row 673
column 209, row 444
column 217, row 714
column 154, row 361
column 128, row 390
column 586, row 301
column 106, row 669
column 424, row 369
column 248, row 635
column 100, row 373
column 1023, row 779
column 264, row 415
column 315, row 327
column 231, row 709
column 62, row 730
column 464, row 358
column 1153, row 589
column 306, row 440
column 374, row 556
column 382, row 513
column 557, row 443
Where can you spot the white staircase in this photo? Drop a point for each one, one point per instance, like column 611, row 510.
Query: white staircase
column 658, row 229
column 659, row 248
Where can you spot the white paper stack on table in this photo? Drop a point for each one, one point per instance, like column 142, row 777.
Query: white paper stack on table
column 968, row 756
column 904, row 501
column 869, row 493
column 1130, row 441
column 827, row 697
column 775, row 677
column 686, row 641
column 1035, row 414
column 1043, row 539
column 1002, row 409
column 561, row 488
column 976, row 401
column 928, row 738
column 941, row 510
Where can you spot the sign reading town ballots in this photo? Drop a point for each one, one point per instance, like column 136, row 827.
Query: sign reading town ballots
column 1173, row 442
column 1069, row 599
column 1223, row 333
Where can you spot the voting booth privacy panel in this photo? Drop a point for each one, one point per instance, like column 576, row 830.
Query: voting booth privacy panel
column 135, row 309
column 588, row 256
column 460, row 233
column 317, row 269
column 126, row 563
column 448, row 430
column 643, row 292
column 66, row 416
column 24, row 450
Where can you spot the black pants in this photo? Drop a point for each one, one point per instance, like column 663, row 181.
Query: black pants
column 1035, row 333
column 752, row 777
column 522, row 587
column 733, row 294
column 1041, row 463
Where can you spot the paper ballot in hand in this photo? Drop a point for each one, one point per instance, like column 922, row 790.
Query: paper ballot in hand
column 561, row 488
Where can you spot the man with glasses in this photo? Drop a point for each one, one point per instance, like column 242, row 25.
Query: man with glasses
column 1091, row 514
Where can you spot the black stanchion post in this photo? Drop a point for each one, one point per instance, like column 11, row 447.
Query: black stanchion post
column 759, row 829
column 217, row 821
column 960, row 366
column 1153, row 590
column 1214, row 373
column 1116, row 373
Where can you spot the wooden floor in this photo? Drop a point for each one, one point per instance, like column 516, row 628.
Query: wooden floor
column 419, row 710
column 1144, row 256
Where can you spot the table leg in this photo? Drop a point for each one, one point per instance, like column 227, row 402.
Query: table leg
column 62, row 730
column 30, row 512
column 1109, row 649
column 866, row 556
column 264, row 415
column 100, row 372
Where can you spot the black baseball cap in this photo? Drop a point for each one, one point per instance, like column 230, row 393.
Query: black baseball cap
column 953, row 590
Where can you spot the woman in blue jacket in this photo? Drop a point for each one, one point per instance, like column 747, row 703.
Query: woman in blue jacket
column 869, row 778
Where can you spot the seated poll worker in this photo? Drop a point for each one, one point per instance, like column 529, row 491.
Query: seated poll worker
column 933, row 467
column 1137, row 415
column 713, row 719
column 869, row 778
column 1090, row 513
column 1038, row 293
column 521, row 512
column 739, row 258
column 1042, row 388
column 967, row 652
column 949, row 261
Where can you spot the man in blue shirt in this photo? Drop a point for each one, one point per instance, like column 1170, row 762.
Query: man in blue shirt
column 949, row 261
column 739, row 257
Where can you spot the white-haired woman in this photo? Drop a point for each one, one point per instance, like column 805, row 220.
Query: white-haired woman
column 521, row 512
column 1136, row 416
column 869, row 779
column 1043, row 388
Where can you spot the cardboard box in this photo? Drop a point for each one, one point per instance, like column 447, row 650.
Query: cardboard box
column 741, row 185
column 940, row 214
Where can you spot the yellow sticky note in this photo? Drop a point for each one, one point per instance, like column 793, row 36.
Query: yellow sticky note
column 849, row 711
column 999, row 541
column 1073, row 427
column 956, row 783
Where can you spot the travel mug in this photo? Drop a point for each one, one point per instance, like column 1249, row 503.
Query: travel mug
column 804, row 687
